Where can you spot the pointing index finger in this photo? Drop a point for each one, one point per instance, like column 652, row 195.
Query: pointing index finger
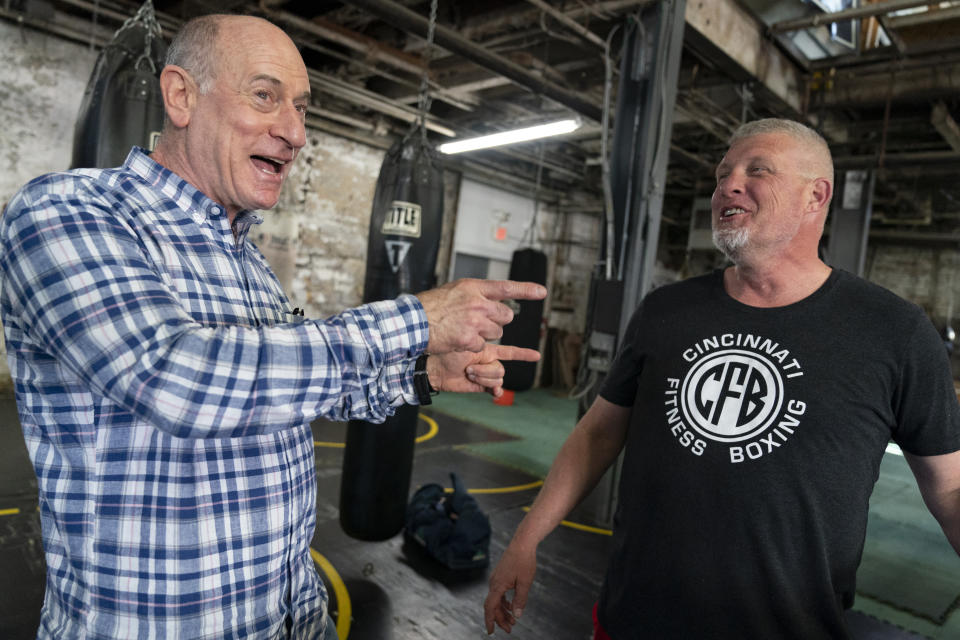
column 507, row 352
column 512, row 290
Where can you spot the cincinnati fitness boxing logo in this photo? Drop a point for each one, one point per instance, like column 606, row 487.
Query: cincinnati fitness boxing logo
column 736, row 395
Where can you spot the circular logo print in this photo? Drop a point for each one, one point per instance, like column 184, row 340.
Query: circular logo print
column 732, row 395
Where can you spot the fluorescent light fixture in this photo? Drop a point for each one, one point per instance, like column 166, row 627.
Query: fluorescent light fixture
column 509, row 137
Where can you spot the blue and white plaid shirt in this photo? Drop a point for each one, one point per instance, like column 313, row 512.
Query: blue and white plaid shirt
column 165, row 397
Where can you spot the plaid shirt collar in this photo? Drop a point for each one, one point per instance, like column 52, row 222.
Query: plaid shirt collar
column 187, row 197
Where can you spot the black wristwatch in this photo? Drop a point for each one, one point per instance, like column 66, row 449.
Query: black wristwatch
column 421, row 382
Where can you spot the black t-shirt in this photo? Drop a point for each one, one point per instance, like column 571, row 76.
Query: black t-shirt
column 755, row 441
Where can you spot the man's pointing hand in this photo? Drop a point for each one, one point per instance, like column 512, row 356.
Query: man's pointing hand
column 464, row 314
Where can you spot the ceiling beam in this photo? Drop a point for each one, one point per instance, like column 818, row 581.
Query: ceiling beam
column 358, row 95
column 944, row 123
column 508, row 18
column 408, row 20
column 369, row 47
column 936, row 161
column 570, row 23
column 867, row 11
column 915, row 84
column 740, row 36
column 926, row 17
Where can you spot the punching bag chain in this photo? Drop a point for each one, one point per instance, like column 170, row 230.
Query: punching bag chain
column 147, row 19
column 423, row 102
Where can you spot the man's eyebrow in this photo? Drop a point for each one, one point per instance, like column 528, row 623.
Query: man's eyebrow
column 266, row 77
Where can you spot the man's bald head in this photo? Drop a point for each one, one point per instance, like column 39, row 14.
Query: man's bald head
column 818, row 160
column 191, row 49
column 198, row 49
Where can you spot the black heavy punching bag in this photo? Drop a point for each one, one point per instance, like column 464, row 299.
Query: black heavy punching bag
column 525, row 265
column 401, row 256
column 122, row 106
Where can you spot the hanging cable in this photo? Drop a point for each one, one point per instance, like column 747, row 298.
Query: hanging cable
column 423, row 100
column 531, row 228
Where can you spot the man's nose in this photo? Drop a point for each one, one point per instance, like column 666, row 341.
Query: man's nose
column 290, row 127
column 731, row 184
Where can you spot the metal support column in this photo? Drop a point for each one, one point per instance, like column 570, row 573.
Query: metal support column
column 850, row 220
column 650, row 65
column 651, row 95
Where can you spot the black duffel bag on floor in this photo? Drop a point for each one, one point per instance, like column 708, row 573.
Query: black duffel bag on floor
column 449, row 526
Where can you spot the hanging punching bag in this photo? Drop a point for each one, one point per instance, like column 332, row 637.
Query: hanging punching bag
column 525, row 265
column 401, row 256
column 121, row 105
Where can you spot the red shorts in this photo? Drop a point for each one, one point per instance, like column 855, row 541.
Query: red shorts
column 598, row 632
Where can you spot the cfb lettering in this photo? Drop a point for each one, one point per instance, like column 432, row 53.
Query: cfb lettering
column 738, row 381
column 683, row 435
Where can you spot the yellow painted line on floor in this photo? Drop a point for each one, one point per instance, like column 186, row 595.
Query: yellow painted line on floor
column 433, row 429
column 332, row 445
column 344, row 611
column 582, row 527
column 431, row 432
column 519, row 487
column 9, row 512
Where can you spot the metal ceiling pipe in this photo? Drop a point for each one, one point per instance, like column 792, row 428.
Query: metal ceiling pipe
column 868, row 11
column 571, row 24
column 913, row 85
column 917, row 19
column 358, row 95
column 480, row 28
column 901, row 159
column 335, row 33
column 400, row 16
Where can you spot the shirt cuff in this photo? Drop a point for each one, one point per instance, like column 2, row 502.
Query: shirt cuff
column 404, row 329
column 402, row 374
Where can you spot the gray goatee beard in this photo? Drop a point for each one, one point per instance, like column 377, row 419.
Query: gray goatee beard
column 731, row 243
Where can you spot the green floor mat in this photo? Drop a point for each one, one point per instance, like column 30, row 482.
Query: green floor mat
column 541, row 419
column 910, row 569
column 907, row 561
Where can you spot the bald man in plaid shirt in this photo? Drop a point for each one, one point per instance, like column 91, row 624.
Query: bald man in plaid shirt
column 165, row 391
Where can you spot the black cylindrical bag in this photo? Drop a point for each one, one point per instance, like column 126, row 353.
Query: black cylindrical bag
column 528, row 265
column 404, row 239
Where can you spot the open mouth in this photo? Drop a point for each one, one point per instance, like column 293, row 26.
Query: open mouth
column 268, row 165
column 731, row 211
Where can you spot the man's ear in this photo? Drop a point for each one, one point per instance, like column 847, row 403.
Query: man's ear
column 820, row 195
column 179, row 94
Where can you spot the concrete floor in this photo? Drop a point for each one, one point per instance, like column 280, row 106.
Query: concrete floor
column 909, row 580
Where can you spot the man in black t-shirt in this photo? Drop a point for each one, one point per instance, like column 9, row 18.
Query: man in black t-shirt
column 753, row 406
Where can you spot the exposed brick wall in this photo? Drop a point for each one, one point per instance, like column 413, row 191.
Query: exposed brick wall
column 929, row 276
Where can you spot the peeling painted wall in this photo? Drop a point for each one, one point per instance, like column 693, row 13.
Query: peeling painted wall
column 41, row 84
column 328, row 195
column 320, row 226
